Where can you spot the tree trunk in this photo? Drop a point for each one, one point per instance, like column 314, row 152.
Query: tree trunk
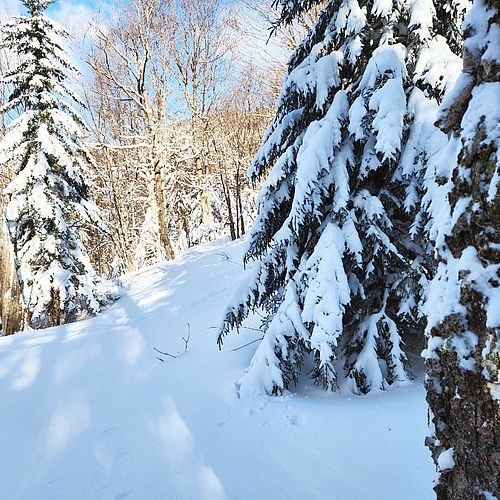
column 227, row 197
column 205, row 195
column 463, row 354
column 10, row 299
column 467, row 422
column 166, row 250
column 239, row 204
column 54, row 307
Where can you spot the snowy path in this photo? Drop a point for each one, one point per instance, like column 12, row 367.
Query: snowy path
column 88, row 411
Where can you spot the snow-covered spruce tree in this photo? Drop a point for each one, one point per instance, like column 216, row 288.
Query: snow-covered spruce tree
column 338, row 262
column 463, row 354
column 48, row 200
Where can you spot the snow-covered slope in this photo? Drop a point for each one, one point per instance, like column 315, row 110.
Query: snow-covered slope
column 89, row 411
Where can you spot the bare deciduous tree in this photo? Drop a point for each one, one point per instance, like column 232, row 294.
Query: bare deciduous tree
column 200, row 53
column 131, row 67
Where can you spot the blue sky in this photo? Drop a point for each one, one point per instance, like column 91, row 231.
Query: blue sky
column 92, row 5
column 75, row 16
column 64, row 4
column 13, row 7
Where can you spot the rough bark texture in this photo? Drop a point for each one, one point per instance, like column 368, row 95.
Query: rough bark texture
column 166, row 250
column 10, row 302
column 463, row 389
column 467, row 419
column 207, row 216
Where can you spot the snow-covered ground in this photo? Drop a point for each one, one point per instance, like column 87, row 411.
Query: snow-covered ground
column 89, row 411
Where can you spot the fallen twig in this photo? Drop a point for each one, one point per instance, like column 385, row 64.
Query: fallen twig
column 186, row 343
column 164, row 353
column 240, row 327
column 244, row 345
column 186, row 339
column 225, row 257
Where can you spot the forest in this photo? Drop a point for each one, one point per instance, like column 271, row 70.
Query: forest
column 284, row 212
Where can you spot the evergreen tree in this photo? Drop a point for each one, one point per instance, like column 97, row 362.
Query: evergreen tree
column 48, row 201
column 337, row 243
column 463, row 354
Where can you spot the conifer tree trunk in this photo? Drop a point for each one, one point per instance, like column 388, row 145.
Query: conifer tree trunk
column 10, row 300
column 463, row 357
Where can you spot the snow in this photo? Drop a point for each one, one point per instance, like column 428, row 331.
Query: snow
column 89, row 411
column 422, row 12
column 387, row 100
column 350, row 17
column 437, row 66
column 382, row 8
column 313, row 160
column 445, row 460
column 386, row 59
column 316, row 73
column 357, row 113
column 483, row 37
column 480, row 110
column 389, row 103
column 275, row 136
column 488, row 495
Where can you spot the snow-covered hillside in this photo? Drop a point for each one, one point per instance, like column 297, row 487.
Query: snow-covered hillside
column 90, row 411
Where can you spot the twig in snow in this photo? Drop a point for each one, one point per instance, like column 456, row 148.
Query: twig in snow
column 245, row 345
column 240, row 327
column 225, row 256
column 186, row 343
column 186, row 339
column 164, row 353
column 250, row 328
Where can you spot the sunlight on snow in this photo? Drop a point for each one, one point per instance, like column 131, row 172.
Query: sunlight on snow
column 7, row 364
column 174, row 433
column 40, row 339
column 75, row 331
column 74, row 362
column 177, row 443
column 27, row 372
column 68, row 420
column 132, row 345
column 210, row 484
column 149, row 303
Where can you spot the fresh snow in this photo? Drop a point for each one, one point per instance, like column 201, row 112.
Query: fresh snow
column 89, row 411
column 445, row 460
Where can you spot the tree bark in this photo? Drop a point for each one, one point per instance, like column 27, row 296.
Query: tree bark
column 165, row 250
column 205, row 195
column 463, row 355
column 227, row 197
column 10, row 299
